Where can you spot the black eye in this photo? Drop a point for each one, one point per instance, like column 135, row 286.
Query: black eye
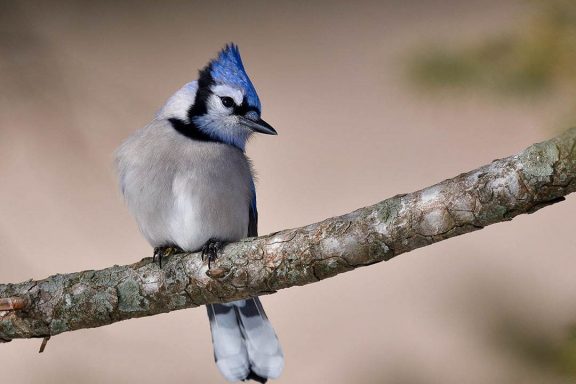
column 227, row 101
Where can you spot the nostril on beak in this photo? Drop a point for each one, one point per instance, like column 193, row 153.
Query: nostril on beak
column 252, row 115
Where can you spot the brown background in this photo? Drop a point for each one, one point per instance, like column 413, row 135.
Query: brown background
column 77, row 78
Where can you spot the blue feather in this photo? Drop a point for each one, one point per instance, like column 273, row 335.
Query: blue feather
column 228, row 69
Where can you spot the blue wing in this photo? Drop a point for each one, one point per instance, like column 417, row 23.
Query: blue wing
column 245, row 344
column 253, row 215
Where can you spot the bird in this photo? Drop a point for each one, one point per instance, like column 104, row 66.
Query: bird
column 187, row 181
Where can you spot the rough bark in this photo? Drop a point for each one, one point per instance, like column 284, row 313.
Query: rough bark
column 540, row 175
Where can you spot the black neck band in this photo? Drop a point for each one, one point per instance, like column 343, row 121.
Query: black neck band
column 191, row 131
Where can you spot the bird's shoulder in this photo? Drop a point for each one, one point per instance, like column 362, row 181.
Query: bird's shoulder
column 158, row 152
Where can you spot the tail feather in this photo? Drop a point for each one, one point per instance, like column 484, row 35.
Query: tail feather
column 245, row 344
column 229, row 350
column 264, row 351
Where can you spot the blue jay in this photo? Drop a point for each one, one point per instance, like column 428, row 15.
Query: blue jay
column 187, row 181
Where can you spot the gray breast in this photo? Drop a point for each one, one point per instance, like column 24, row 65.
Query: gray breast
column 184, row 192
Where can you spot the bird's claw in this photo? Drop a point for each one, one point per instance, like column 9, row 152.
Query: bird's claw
column 160, row 252
column 210, row 250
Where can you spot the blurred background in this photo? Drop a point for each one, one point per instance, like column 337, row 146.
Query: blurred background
column 370, row 99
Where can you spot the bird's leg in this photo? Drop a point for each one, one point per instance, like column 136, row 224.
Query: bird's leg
column 210, row 250
column 157, row 251
column 160, row 252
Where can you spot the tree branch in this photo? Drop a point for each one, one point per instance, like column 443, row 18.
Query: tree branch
column 538, row 176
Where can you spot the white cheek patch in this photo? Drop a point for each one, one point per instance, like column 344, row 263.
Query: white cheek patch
column 215, row 107
column 178, row 104
column 222, row 90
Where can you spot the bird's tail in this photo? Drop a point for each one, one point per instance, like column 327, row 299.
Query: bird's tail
column 245, row 344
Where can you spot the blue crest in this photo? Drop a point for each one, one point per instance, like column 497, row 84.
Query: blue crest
column 228, row 69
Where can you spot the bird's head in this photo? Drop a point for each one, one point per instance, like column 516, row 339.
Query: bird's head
column 221, row 106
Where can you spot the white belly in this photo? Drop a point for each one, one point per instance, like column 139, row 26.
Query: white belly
column 208, row 209
column 183, row 192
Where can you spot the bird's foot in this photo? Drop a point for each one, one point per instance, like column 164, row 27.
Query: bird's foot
column 210, row 250
column 160, row 252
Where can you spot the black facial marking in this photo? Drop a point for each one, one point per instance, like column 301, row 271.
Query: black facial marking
column 205, row 80
column 200, row 108
column 243, row 109
column 191, row 131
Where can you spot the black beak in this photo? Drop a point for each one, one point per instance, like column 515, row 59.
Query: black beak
column 258, row 125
